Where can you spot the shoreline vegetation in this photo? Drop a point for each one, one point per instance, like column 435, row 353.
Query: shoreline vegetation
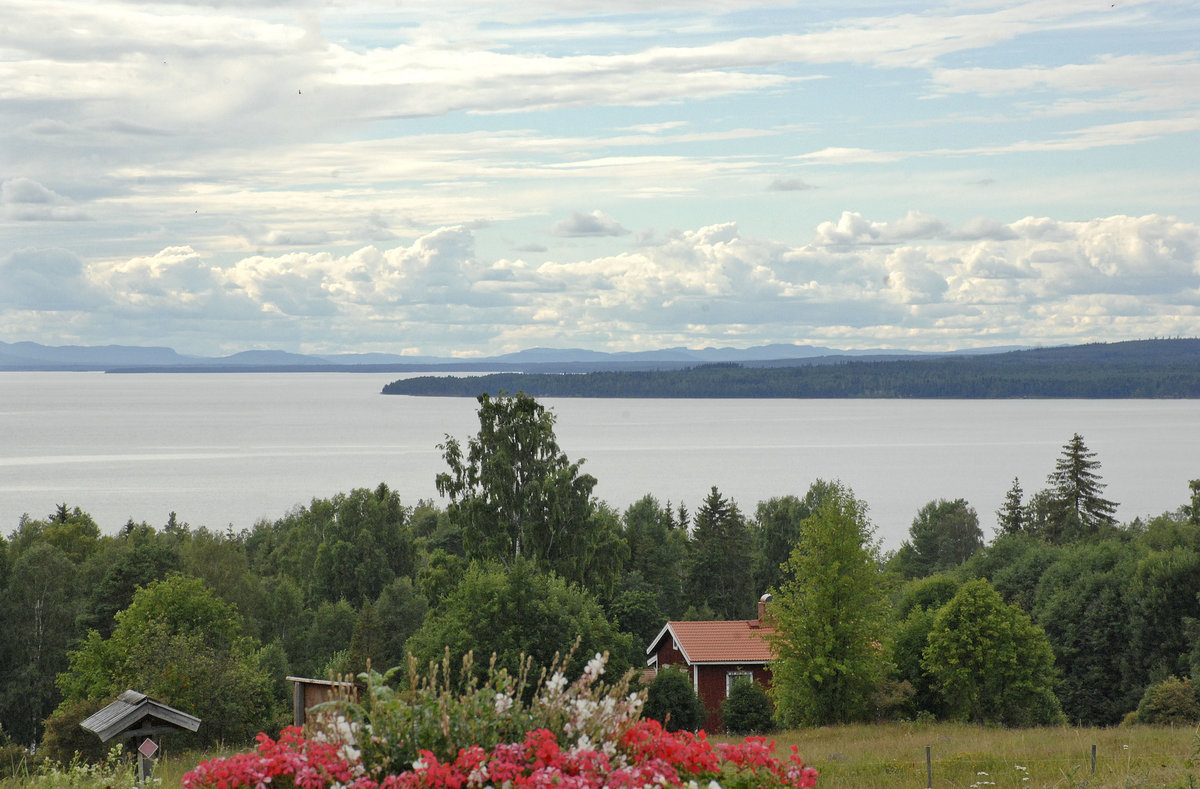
column 1140, row 369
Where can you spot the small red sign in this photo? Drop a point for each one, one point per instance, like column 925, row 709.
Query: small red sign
column 148, row 748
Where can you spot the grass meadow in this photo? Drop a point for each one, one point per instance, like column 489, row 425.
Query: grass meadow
column 962, row 756
column 887, row 755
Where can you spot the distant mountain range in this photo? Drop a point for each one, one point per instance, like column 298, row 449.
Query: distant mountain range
column 124, row 358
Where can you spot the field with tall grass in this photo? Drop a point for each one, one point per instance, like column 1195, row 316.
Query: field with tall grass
column 874, row 757
column 893, row 755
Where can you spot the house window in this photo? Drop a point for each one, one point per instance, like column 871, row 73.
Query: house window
column 733, row 676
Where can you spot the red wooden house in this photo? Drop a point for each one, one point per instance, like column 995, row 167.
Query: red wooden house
column 715, row 655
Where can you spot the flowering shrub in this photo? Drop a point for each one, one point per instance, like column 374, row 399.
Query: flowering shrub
column 580, row 735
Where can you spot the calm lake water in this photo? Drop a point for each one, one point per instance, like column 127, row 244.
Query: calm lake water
column 229, row 449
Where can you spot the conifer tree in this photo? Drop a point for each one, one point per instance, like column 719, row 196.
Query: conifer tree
column 1011, row 515
column 1076, row 487
column 720, row 572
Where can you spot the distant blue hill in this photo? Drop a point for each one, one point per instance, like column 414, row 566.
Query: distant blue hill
column 122, row 358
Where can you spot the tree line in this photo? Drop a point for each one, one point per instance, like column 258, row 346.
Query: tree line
column 1065, row 615
column 1142, row 369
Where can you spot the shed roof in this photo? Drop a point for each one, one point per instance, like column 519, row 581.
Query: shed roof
column 735, row 641
column 131, row 708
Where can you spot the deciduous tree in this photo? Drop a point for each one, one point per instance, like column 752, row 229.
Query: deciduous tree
column 943, row 535
column 989, row 662
column 516, row 494
column 518, row 611
column 830, row 617
column 178, row 642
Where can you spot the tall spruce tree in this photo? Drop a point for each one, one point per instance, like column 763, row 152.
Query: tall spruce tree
column 720, row 574
column 1080, row 510
column 1011, row 516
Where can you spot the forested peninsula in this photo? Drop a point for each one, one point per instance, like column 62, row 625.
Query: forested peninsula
column 1166, row 368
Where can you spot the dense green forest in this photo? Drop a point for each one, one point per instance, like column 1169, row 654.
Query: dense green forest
column 1143, row 369
column 1064, row 615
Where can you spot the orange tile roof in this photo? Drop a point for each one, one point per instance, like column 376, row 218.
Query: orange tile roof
column 737, row 641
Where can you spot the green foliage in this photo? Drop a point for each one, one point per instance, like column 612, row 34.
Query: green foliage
column 1172, row 702
column 366, row 644
column 69, row 529
column 658, row 553
column 178, row 643
column 113, row 769
column 930, row 593
column 330, row 632
column 1163, row 594
column 719, row 576
column 1014, row 564
column 1010, row 518
column 916, row 609
column 777, row 524
column 943, row 535
column 1072, row 507
column 515, row 495
column 989, row 662
column 38, row 611
column 673, row 702
column 64, row 739
column 1081, row 604
column 443, row 710
column 830, row 617
column 137, row 566
column 636, row 612
column 747, row 709
column 518, row 612
column 401, row 608
column 347, row 547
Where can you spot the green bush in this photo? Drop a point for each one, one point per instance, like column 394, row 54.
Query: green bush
column 747, row 710
column 671, row 701
column 64, row 739
column 1172, row 702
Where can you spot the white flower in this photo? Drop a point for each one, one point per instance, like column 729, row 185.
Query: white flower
column 420, row 764
column 556, row 683
column 504, row 703
column 595, row 667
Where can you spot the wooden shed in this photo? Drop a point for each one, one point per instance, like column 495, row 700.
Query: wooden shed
column 308, row 693
column 135, row 714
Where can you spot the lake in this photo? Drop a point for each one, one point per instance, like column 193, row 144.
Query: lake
column 229, row 449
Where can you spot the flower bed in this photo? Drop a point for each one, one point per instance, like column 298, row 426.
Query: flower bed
column 580, row 736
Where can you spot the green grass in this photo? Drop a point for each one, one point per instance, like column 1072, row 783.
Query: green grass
column 891, row 756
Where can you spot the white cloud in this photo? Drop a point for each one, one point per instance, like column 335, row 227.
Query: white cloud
column 789, row 185
column 853, row 229
column 45, row 280
column 25, row 200
column 596, row 223
column 1129, row 276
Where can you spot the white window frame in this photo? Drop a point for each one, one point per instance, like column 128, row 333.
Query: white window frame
column 733, row 676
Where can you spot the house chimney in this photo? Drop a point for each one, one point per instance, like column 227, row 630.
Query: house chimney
column 762, row 609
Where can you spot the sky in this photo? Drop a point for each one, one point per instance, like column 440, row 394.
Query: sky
column 470, row 178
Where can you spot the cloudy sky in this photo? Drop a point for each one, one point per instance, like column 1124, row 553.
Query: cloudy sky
column 471, row 178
